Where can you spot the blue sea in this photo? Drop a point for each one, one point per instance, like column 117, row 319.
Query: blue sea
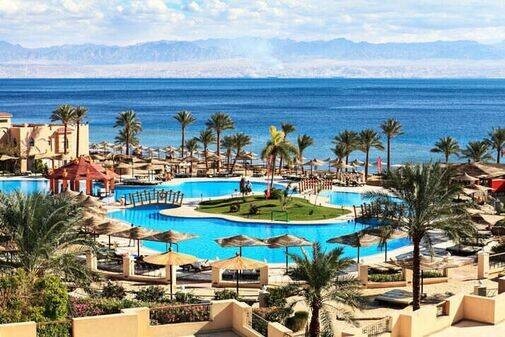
column 428, row 109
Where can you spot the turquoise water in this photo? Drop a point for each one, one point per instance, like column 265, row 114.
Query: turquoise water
column 196, row 189
column 209, row 229
column 345, row 198
column 26, row 186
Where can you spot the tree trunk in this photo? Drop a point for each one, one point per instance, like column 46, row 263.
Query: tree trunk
column 218, row 150
column 273, row 173
column 446, row 158
column 366, row 164
column 314, row 326
column 127, row 141
column 389, row 154
column 416, row 275
column 65, row 139
column 182, row 142
column 206, row 161
column 234, row 161
column 78, row 139
column 498, row 156
column 346, row 162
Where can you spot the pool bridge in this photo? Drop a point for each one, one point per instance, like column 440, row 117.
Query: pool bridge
column 153, row 196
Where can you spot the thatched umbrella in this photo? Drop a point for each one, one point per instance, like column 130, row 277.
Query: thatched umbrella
column 385, row 233
column 135, row 233
column 170, row 259
column 286, row 241
column 238, row 263
column 91, row 202
column 5, row 157
column 358, row 240
column 466, row 178
column 171, row 237
column 240, row 241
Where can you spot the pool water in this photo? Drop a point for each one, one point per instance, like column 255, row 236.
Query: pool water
column 345, row 198
column 196, row 189
column 209, row 229
column 26, row 186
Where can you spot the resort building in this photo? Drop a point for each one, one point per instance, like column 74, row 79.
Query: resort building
column 28, row 142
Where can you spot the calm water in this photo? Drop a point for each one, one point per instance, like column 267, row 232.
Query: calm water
column 210, row 229
column 428, row 109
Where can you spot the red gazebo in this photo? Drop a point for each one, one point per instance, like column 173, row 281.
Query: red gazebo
column 82, row 168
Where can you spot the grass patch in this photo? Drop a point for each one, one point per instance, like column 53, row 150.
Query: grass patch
column 297, row 209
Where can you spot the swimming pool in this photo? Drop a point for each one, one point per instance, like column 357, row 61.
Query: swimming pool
column 209, row 229
column 26, row 186
column 348, row 199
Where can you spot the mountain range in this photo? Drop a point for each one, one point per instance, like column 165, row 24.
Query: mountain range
column 266, row 57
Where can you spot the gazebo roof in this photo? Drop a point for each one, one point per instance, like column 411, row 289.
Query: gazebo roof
column 82, row 168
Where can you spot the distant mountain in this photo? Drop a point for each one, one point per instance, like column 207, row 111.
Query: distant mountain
column 282, row 50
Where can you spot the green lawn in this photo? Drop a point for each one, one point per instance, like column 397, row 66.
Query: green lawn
column 297, row 209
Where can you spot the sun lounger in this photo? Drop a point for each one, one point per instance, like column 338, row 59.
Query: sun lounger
column 395, row 297
column 463, row 250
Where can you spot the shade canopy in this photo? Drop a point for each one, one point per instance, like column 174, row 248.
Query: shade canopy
column 378, row 231
column 170, row 236
column 135, row 233
column 357, row 162
column 358, row 239
column 170, row 259
column 82, row 168
column 5, row 157
column 465, row 177
column 287, row 240
column 341, row 165
column 238, row 263
column 240, row 241
column 315, row 162
column 109, row 227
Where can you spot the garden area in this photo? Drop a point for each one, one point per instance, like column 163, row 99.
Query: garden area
column 278, row 207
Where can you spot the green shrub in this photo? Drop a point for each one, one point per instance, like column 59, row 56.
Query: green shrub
column 298, row 321
column 113, row 290
column 234, row 208
column 180, row 314
column 254, row 209
column 150, row 294
column 186, row 298
column 386, row 277
column 53, row 297
column 499, row 248
column 82, row 307
column 276, row 193
column 277, row 296
column 432, row 274
column 273, row 314
column 225, row 294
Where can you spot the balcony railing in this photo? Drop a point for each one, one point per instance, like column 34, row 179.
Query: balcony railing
column 497, row 261
column 259, row 324
column 379, row 327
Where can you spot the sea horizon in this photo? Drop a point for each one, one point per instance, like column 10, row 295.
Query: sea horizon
column 320, row 107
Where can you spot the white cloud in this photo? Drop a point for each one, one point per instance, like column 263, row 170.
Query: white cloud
column 127, row 21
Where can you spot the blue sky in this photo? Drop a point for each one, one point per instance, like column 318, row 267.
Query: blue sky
column 35, row 23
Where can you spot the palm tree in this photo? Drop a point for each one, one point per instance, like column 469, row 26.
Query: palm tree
column 349, row 141
column 277, row 147
column 287, row 128
column 367, row 140
column 227, row 144
column 496, row 139
column 239, row 141
column 391, row 128
column 192, row 147
column 80, row 112
column 324, row 290
column 303, row 142
column 185, row 118
column 131, row 127
column 477, row 151
column 64, row 114
column 427, row 204
column 206, row 137
column 219, row 122
column 448, row 146
column 44, row 228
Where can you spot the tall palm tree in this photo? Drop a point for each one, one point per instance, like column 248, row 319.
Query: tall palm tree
column 277, row 147
column 80, row 112
column 43, row 228
column 239, row 141
column 192, row 147
column 131, row 127
column 446, row 145
column 219, row 122
column 496, row 139
column 349, row 140
column 391, row 128
column 64, row 114
column 427, row 195
column 185, row 118
column 287, row 128
column 477, row 151
column 303, row 142
column 368, row 139
column 227, row 144
column 324, row 291
column 206, row 137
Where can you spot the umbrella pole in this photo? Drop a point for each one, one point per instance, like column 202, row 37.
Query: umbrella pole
column 422, row 282
column 386, row 252
column 239, row 251
column 138, row 247
column 236, row 275
column 286, row 259
column 109, row 241
column 357, row 258
column 171, row 283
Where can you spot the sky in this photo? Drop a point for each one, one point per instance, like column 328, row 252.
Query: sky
column 39, row 23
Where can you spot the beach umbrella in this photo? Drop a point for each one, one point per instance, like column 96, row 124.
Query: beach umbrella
column 357, row 240
column 171, row 259
column 135, row 233
column 385, row 233
column 240, row 241
column 5, row 157
column 109, row 227
column 91, row 202
column 171, row 237
column 465, row 177
column 357, row 163
column 286, row 241
column 238, row 263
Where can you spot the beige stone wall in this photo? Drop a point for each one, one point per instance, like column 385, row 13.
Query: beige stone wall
column 25, row 329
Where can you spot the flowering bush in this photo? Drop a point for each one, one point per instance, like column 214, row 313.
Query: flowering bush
column 81, row 307
column 150, row 294
column 180, row 314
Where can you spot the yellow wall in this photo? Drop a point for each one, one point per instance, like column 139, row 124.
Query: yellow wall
column 24, row 329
